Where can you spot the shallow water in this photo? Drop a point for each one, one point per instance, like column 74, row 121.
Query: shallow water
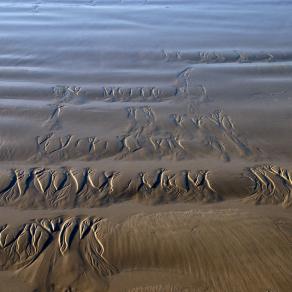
column 93, row 43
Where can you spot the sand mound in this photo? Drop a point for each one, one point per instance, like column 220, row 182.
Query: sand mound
column 64, row 251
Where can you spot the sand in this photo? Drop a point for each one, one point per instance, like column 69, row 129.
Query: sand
column 145, row 146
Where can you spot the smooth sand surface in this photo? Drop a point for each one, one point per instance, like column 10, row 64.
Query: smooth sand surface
column 145, row 146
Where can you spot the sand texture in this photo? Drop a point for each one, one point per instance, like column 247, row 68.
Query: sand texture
column 145, row 146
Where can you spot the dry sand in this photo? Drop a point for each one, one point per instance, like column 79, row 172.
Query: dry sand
column 145, row 146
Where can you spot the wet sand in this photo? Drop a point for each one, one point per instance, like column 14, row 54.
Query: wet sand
column 145, row 145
